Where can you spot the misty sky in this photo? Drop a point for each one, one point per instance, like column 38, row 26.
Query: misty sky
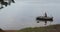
column 24, row 12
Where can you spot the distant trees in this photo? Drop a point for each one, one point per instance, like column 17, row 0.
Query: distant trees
column 2, row 2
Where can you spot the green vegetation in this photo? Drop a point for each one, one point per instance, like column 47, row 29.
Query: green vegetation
column 41, row 29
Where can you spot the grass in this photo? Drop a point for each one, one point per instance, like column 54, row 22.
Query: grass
column 41, row 29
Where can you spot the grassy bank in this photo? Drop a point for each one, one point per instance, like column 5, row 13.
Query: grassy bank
column 51, row 28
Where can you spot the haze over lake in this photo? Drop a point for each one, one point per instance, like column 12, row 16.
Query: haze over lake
column 24, row 12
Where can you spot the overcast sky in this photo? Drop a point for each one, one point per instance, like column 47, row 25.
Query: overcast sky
column 24, row 12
